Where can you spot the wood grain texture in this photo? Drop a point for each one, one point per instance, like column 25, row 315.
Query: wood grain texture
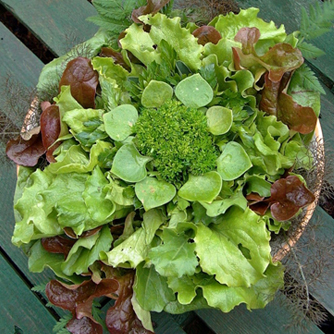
column 323, row 233
column 19, row 306
column 59, row 24
column 288, row 12
column 18, row 66
column 274, row 319
column 165, row 324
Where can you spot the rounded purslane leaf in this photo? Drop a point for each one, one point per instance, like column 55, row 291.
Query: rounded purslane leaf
column 156, row 93
column 194, row 91
column 201, row 188
column 119, row 121
column 233, row 162
column 219, row 120
column 153, row 193
column 129, row 165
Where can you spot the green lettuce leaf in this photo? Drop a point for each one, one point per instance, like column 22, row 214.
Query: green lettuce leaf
column 152, row 291
column 99, row 207
column 86, row 251
column 39, row 259
column 257, row 296
column 241, row 240
column 135, row 248
column 37, row 219
column 76, row 160
column 175, row 256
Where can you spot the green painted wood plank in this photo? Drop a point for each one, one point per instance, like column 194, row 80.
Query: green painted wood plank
column 322, row 289
column 19, row 306
column 21, row 66
column 274, row 319
column 165, row 324
column 288, row 12
column 60, row 24
column 18, row 66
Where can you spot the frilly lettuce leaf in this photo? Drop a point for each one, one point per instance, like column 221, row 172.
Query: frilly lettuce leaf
column 257, row 296
column 230, row 24
column 36, row 219
column 111, row 78
column 142, row 43
column 239, row 241
column 65, row 102
column 75, row 159
column 225, row 298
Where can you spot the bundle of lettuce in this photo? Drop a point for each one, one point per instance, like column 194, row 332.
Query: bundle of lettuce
column 162, row 167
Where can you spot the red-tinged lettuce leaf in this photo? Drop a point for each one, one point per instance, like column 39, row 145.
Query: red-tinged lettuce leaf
column 296, row 117
column 121, row 318
column 279, row 59
column 269, row 96
column 152, row 7
column 78, row 299
column 116, row 56
column 257, row 203
column 207, row 34
column 50, row 130
column 282, row 58
column 84, row 326
column 71, row 234
column 25, row 152
column 275, row 101
column 58, row 244
column 288, row 195
column 248, row 37
column 83, row 80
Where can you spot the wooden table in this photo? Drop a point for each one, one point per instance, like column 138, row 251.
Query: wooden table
column 59, row 25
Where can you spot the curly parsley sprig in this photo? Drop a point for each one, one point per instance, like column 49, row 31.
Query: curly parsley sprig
column 178, row 139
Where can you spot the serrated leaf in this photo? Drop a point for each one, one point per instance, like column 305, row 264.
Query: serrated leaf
column 39, row 288
column 60, row 325
column 113, row 26
column 305, row 79
column 310, row 51
column 318, row 21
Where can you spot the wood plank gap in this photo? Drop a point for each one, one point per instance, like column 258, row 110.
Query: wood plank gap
column 24, row 35
column 26, row 281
